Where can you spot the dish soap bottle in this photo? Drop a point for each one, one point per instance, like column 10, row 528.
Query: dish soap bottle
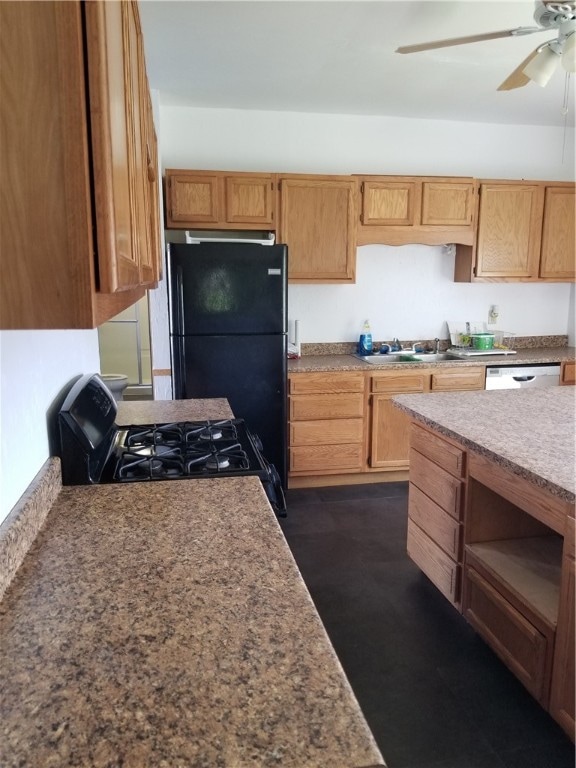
column 365, row 343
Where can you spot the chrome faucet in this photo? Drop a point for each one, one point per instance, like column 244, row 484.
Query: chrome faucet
column 436, row 346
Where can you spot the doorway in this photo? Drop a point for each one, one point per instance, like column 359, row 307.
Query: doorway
column 124, row 343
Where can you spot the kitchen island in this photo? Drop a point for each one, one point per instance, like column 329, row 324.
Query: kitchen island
column 166, row 623
column 491, row 523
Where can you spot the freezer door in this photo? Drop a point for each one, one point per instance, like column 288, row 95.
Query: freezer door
column 250, row 371
column 227, row 288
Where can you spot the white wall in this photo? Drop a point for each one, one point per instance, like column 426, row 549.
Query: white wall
column 34, row 368
column 158, row 300
column 247, row 140
column 407, row 291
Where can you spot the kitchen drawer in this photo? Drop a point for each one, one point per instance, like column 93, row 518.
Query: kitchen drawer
column 337, row 406
column 568, row 373
column 442, row 571
column 512, row 637
column 448, row 456
column 313, row 459
column 399, row 382
column 326, row 432
column 311, row 383
column 441, row 527
column 458, row 380
column 436, row 483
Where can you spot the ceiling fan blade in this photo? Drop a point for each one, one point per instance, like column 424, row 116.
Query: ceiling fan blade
column 470, row 39
column 518, row 79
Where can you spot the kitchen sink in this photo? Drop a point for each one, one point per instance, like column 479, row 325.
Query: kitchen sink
column 388, row 359
column 433, row 357
column 407, row 357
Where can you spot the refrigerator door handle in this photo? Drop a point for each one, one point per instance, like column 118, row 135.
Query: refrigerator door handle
column 179, row 302
column 179, row 363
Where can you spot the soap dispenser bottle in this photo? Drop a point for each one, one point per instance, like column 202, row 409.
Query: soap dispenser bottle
column 365, row 342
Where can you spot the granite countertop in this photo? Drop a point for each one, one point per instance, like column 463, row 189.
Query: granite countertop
column 167, row 624
column 529, row 431
column 349, row 362
column 158, row 411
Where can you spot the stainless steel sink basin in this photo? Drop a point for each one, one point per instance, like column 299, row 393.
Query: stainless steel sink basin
column 433, row 357
column 408, row 357
column 388, row 359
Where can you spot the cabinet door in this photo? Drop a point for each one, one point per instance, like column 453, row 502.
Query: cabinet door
column 558, row 234
column 391, row 203
column 151, row 267
column 108, row 32
column 390, row 442
column 192, row 198
column 137, row 159
column 249, row 199
column 568, row 373
column 318, row 222
column 562, row 691
column 447, row 203
column 509, row 230
column 520, row 645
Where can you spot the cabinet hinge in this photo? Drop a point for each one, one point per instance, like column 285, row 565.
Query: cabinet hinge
column 362, row 188
column 279, row 186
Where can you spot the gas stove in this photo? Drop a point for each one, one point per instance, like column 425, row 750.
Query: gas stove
column 94, row 449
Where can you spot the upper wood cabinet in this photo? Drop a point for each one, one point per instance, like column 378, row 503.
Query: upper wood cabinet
column 397, row 210
column 509, row 230
column 525, row 233
column 318, row 223
column 558, row 234
column 219, row 200
column 76, row 206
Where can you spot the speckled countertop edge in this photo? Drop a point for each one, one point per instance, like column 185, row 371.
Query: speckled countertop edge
column 348, row 362
column 531, row 432
column 20, row 528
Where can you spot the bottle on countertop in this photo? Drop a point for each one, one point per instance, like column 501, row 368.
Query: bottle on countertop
column 365, row 342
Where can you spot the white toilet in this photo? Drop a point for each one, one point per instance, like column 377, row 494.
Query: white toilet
column 116, row 383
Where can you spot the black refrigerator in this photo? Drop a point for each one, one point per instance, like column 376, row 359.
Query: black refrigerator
column 228, row 327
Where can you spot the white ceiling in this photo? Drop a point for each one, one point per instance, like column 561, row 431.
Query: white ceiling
column 338, row 57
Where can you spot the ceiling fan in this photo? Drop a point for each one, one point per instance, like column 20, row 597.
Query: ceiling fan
column 541, row 64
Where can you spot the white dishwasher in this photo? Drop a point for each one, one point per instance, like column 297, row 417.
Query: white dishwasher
column 522, row 376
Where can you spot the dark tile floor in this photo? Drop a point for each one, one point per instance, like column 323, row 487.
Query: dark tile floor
column 434, row 695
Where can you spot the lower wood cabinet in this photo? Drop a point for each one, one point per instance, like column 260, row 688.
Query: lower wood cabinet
column 390, row 427
column 523, row 647
column 562, row 694
column 440, row 568
column 568, row 373
column 435, row 504
column 326, row 412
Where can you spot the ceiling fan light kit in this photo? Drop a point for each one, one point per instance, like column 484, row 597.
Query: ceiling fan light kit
column 538, row 66
column 541, row 68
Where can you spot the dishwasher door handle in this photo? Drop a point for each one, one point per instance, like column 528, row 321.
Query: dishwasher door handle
column 523, row 378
